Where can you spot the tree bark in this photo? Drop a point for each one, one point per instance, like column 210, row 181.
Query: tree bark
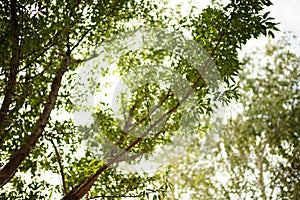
column 16, row 159
column 13, row 71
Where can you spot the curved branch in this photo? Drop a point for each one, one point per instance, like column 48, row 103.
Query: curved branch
column 10, row 168
column 13, row 164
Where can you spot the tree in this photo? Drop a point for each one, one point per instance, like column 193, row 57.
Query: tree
column 42, row 45
column 257, row 153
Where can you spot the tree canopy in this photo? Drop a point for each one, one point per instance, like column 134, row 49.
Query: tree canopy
column 255, row 155
column 44, row 44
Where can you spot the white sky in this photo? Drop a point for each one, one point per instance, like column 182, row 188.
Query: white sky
column 287, row 13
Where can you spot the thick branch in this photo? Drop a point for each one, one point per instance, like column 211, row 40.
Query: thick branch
column 11, row 167
column 14, row 65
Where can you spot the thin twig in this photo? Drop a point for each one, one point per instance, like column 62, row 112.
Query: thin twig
column 61, row 169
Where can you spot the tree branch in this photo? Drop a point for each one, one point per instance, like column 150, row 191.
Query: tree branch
column 14, row 65
column 79, row 191
column 61, row 169
column 259, row 164
column 11, row 167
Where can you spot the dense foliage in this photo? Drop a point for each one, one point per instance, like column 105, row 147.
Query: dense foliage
column 43, row 43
